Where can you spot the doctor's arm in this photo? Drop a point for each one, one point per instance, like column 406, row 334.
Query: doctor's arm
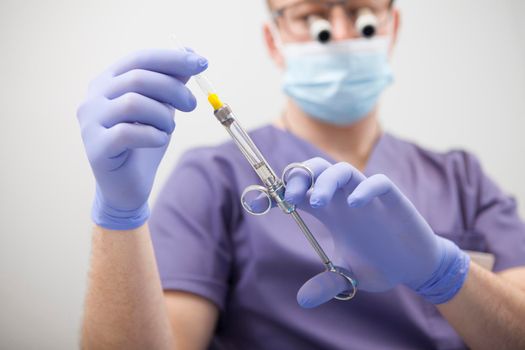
column 488, row 312
column 386, row 242
column 125, row 307
column 126, row 123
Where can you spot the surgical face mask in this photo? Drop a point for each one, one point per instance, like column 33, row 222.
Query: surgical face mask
column 339, row 82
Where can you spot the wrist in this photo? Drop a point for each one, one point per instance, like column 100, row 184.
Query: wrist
column 116, row 219
column 449, row 277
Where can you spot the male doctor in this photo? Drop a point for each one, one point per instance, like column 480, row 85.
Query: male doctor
column 204, row 274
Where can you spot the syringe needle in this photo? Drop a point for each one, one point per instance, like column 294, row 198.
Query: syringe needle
column 203, row 82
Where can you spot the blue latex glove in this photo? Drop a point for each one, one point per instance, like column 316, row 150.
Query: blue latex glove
column 378, row 234
column 126, row 122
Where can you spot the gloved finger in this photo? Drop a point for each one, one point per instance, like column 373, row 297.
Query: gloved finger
column 176, row 63
column 338, row 176
column 377, row 185
column 157, row 86
column 134, row 108
column 125, row 136
column 321, row 288
column 185, row 79
column 298, row 181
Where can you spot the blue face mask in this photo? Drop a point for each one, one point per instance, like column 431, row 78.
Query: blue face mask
column 338, row 82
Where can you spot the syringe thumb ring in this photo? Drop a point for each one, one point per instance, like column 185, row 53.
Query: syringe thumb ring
column 352, row 283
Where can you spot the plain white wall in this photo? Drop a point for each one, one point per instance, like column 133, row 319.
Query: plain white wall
column 460, row 82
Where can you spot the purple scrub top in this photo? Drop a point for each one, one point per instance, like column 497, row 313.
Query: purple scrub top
column 251, row 267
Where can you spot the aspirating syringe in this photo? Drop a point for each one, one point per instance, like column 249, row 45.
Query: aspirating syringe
column 274, row 187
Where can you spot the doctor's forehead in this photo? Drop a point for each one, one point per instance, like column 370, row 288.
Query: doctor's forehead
column 276, row 4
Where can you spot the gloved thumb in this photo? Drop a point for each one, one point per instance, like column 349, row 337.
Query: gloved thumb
column 321, row 288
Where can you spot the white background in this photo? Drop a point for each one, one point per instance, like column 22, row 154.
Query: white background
column 460, row 82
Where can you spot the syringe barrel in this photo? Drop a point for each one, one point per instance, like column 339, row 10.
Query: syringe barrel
column 244, row 142
column 246, row 146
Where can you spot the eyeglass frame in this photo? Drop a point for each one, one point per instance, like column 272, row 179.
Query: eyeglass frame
column 278, row 13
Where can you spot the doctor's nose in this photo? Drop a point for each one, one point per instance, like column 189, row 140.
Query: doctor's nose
column 342, row 26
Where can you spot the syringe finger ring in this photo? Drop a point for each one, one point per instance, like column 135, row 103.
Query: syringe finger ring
column 256, row 200
column 293, row 166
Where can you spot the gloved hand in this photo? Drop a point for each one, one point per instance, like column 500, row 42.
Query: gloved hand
column 126, row 122
column 377, row 233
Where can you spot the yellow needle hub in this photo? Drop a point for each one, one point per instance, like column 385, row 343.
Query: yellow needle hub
column 215, row 101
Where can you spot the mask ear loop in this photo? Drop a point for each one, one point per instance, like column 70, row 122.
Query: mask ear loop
column 390, row 33
column 275, row 34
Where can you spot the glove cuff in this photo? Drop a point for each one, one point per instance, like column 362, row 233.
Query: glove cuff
column 448, row 279
column 105, row 216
